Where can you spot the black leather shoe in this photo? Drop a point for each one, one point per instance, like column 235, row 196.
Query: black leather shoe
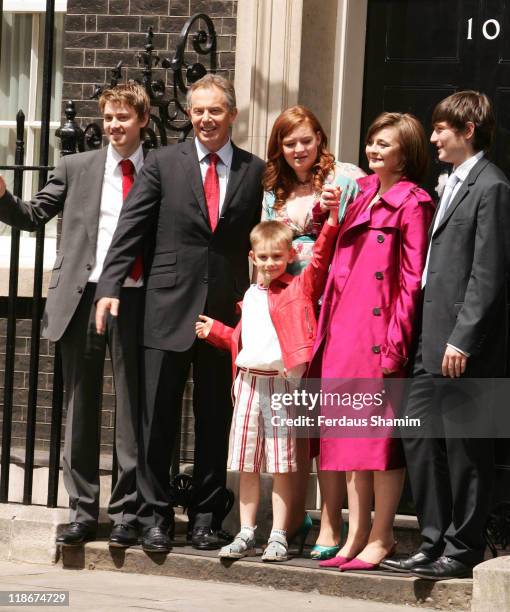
column 204, row 538
column 225, row 536
column 406, row 564
column 76, row 534
column 123, row 536
column 443, row 568
column 156, row 539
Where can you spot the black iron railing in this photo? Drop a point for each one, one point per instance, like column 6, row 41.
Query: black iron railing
column 168, row 115
column 37, row 301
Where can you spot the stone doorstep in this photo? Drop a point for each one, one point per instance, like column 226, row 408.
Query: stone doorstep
column 296, row 575
column 491, row 586
column 27, row 533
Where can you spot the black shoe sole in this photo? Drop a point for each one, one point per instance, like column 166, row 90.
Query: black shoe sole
column 438, row 578
column 70, row 544
column 154, row 549
column 394, row 569
column 207, row 546
column 116, row 544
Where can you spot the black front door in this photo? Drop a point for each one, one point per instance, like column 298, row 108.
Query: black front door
column 420, row 51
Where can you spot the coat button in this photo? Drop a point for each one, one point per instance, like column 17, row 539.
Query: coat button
column 379, row 275
column 377, row 312
column 205, row 280
column 376, row 349
column 380, row 238
column 79, row 289
column 88, row 267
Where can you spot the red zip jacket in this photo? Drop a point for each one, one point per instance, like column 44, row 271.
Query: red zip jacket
column 292, row 305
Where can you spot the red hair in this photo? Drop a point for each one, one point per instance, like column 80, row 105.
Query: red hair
column 279, row 176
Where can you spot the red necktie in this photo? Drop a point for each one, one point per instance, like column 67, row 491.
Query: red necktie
column 212, row 190
column 128, row 178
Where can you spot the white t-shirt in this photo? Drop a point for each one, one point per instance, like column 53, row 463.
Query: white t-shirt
column 261, row 348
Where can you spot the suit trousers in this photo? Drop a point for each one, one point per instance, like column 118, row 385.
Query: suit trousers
column 451, row 477
column 163, row 385
column 83, row 355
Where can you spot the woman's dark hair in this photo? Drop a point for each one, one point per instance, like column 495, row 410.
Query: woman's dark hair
column 413, row 142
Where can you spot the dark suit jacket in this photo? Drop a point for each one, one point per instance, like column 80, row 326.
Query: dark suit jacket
column 465, row 293
column 75, row 186
column 189, row 270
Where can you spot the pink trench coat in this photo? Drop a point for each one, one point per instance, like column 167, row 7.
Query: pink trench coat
column 370, row 307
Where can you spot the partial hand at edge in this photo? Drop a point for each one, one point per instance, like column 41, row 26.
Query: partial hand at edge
column 203, row 326
column 104, row 307
column 387, row 371
column 3, row 186
column 330, row 197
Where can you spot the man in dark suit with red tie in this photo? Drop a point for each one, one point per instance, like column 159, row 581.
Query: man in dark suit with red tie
column 89, row 189
column 191, row 211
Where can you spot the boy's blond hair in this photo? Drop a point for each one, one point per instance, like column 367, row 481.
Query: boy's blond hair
column 272, row 231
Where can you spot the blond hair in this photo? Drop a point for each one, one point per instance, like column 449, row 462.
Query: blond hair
column 272, row 231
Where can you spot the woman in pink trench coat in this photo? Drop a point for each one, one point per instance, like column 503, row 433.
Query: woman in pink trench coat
column 367, row 326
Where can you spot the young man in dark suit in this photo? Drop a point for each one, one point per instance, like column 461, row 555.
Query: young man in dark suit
column 89, row 188
column 463, row 335
column 192, row 210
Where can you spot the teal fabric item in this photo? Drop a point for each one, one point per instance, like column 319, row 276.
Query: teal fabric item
column 303, row 236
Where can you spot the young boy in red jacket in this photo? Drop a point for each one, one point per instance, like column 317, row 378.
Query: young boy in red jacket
column 270, row 347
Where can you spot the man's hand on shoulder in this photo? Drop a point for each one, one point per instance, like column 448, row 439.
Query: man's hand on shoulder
column 3, row 186
column 105, row 306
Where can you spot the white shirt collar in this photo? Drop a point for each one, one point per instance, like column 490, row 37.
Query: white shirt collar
column 113, row 157
column 465, row 167
column 225, row 153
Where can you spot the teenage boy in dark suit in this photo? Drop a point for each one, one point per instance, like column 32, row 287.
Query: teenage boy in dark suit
column 463, row 334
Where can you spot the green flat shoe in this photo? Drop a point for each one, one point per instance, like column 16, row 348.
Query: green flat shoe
column 322, row 553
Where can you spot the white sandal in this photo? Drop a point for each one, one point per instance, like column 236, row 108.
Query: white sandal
column 277, row 548
column 243, row 545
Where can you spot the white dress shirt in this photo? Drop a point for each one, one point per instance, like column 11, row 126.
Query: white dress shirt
column 111, row 205
column 225, row 155
column 461, row 172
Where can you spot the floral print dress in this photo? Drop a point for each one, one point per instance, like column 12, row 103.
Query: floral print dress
column 345, row 176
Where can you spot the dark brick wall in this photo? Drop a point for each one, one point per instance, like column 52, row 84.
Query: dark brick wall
column 20, row 391
column 101, row 33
